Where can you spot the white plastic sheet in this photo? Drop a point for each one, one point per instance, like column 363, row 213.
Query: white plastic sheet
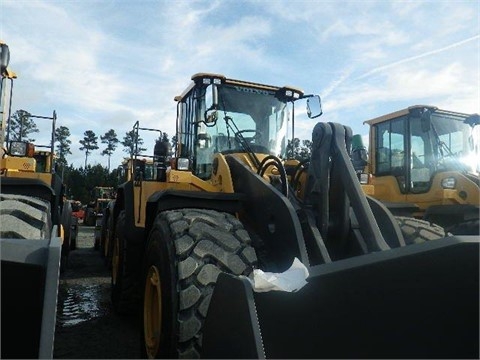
column 290, row 280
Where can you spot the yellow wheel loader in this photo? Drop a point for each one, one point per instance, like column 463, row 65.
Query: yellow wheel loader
column 100, row 196
column 94, row 213
column 424, row 162
column 232, row 250
column 129, row 168
column 34, row 238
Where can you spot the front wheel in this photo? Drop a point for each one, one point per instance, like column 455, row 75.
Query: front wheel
column 24, row 217
column 417, row 231
column 186, row 251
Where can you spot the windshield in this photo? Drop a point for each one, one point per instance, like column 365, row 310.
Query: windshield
column 235, row 117
column 456, row 142
column 415, row 146
column 252, row 115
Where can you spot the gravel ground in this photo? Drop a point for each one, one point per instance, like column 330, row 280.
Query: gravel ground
column 87, row 327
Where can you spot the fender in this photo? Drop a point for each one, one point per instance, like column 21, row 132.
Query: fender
column 178, row 199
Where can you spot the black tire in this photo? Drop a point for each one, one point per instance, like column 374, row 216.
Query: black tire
column 466, row 228
column 186, row 251
column 73, row 240
column 89, row 217
column 96, row 241
column 103, row 234
column 417, row 231
column 123, row 293
column 109, row 240
column 24, row 217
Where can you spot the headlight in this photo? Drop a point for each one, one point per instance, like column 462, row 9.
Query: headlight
column 449, row 183
column 18, row 148
column 292, row 93
column 183, row 164
column 364, row 178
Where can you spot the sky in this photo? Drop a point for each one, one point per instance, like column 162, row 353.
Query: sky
column 106, row 64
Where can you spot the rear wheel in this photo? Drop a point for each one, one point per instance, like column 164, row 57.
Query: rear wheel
column 103, row 235
column 123, row 282
column 186, row 251
column 109, row 237
column 417, row 231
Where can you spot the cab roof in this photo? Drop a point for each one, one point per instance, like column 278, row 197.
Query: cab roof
column 198, row 77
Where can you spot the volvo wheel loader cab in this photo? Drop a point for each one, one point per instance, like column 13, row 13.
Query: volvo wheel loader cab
column 428, row 158
column 230, row 205
column 33, row 227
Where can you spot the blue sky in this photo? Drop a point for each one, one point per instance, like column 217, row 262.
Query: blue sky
column 106, row 64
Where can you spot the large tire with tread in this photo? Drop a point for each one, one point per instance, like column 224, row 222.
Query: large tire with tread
column 186, row 251
column 24, row 217
column 123, row 294
column 109, row 241
column 417, row 231
column 471, row 227
column 103, row 235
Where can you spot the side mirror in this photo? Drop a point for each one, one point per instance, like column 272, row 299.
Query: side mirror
column 211, row 104
column 4, row 58
column 314, row 107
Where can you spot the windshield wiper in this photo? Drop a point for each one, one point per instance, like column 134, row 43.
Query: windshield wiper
column 238, row 135
column 241, row 140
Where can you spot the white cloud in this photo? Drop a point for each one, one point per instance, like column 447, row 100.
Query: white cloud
column 344, row 75
column 408, row 83
column 419, row 56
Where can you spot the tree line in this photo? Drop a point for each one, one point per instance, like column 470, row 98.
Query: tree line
column 22, row 127
column 81, row 181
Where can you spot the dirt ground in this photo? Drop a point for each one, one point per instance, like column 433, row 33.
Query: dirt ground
column 87, row 327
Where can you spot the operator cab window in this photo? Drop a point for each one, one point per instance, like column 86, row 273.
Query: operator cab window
column 390, row 153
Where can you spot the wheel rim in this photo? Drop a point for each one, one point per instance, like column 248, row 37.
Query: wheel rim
column 115, row 260
column 152, row 312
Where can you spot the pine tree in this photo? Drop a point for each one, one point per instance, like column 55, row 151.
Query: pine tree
column 21, row 126
column 88, row 143
column 62, row 135
column 129, row 142
column 110, row 138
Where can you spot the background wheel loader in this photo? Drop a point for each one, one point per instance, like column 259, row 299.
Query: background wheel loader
column 100, row 196
column 189, row 242
column 34, row 237
column 425, row 163
column 129, row 168
column 95, row 209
